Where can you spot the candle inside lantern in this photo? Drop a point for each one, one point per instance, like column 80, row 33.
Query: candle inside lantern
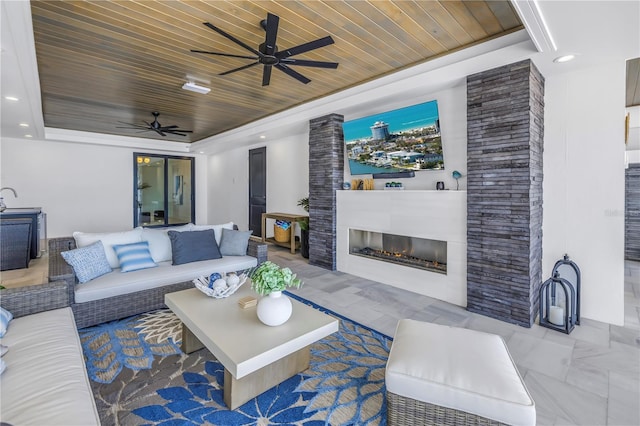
column 556, row 315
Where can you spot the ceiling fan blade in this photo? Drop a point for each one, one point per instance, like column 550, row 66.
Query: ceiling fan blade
column 233, row 39
column 305, row 63
column 272, row 34
column 316, row 44
column 177, row 130
column 132, row 128
column 163, row 128
column 239, row 69
column 301, row 78
column 158, row 131
column 225, row 54
column 266, row 75
column 179, row 134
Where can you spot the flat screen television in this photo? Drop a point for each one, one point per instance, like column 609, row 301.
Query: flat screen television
column 401, row 140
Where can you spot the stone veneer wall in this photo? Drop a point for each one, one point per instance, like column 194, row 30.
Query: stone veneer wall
column 632, row 213
column 326, row 174
column 505, row 124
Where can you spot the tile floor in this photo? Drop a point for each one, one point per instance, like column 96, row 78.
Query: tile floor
column 589, row 377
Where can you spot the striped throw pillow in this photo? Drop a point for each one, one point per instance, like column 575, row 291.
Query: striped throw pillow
column 135, row 256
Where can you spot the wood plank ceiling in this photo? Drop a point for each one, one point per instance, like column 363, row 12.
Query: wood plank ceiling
column 106, row 62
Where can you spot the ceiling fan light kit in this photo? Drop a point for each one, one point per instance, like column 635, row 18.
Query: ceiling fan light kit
column 268, row 54
column 195, row 88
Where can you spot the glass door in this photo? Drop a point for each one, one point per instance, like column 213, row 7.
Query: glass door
column 163, row 190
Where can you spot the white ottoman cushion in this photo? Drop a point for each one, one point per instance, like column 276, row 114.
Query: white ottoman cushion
column 457, row 368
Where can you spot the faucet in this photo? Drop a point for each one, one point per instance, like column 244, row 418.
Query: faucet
column 3, row 206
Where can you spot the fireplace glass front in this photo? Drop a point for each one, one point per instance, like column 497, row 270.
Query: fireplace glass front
column 421, row 253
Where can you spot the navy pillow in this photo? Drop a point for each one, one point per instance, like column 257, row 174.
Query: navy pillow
column 192, row 246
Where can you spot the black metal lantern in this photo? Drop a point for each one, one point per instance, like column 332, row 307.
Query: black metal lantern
column 560, row 297
column 556, row 309
column 570, row 272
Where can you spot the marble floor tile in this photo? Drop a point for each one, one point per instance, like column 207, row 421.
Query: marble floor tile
column 625, row 335
column 624, row 400
column 617, row 359
column 539, row 355
column 589, row 378
column 566, row 403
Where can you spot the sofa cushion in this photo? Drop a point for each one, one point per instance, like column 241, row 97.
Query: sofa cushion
column 234, row 243
column 192, row 246
column 5, row 319
column 88, row 262
column 216, row 228
column 108, row 239
column 115, row 284
column 134, row 256
column 45, row 381
column 159, row 242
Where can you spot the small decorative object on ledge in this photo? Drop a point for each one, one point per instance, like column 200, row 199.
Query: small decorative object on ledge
column 456, row 175
column 393, row 185
column 560, row 297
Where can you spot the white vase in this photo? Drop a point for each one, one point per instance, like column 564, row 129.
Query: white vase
column 274, row 309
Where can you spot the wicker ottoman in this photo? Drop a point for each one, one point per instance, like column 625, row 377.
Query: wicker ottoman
column 446, row 375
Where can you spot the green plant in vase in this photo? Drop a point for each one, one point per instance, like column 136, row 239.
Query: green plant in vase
column 269, row 277
column 270, row 280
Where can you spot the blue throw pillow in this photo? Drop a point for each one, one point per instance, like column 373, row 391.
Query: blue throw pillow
column 88, row 262
column 234, row 243
column 134, row 256
column 192, row 246
column 5, row 319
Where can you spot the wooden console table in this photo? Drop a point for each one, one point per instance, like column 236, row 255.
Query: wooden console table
column 293, row 218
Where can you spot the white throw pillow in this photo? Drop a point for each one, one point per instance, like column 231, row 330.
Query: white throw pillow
column 109, row 239
column 159, row 242
column 217, row 229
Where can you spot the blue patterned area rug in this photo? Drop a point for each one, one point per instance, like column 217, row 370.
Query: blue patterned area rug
column 139, row 376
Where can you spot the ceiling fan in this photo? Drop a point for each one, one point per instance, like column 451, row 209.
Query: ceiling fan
column 157, row 127
column 268, row 55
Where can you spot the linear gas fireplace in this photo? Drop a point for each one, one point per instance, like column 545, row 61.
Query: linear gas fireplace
column 420, row 253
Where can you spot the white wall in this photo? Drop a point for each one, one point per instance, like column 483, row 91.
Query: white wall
column 81, row 187
column 287, row 180
column 584, row 184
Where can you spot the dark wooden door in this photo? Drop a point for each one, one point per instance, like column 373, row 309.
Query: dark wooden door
column 257, row 188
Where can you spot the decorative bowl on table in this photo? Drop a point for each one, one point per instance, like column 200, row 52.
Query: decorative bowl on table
column 220, row 285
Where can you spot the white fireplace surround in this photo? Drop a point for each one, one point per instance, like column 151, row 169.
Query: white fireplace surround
column 437, row 215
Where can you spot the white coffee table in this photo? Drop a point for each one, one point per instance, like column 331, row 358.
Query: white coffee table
column 255, row 357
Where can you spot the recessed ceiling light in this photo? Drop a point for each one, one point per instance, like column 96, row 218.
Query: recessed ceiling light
column 564, row 58
column 28, row 136
column 263, row 137
column 201, row 152
column 24, row 125
column 11, row 98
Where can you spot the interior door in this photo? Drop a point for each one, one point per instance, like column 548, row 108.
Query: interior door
column 257, row 189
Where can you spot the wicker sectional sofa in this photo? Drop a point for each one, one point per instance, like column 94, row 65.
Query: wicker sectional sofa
column 118, row 295
column 45, row 381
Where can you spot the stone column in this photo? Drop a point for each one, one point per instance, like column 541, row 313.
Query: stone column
column 326, row 174
column 505, row 125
